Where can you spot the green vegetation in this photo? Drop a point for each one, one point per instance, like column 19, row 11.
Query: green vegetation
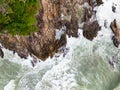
column 18, row 16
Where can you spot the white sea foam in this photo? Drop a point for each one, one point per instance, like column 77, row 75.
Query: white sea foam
column 84, row 67
column 10, row 85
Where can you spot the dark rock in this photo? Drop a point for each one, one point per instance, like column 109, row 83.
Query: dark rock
column 22, row 55
column 116, row 30
column 115, row 41
column 72, row 27
column 1, row 53
column 99, row 2
column 105, row 23
column 114, row 9
column 33, row 62
column 87, row 14
column 91, row 29
column 111, row 64
column 90, row 26
column 114, row 60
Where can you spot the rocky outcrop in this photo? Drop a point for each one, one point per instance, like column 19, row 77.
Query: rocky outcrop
column 91, row 30
column 32, row 45
column 69, row 10
column 53, row 15
column 90, row 26
column 116, row 30
column 16, row 44
column 67, row 16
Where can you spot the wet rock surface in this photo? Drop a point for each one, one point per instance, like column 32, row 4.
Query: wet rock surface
column 90, row 30
column 1, row 53
column 90, row 26
column 116, row 30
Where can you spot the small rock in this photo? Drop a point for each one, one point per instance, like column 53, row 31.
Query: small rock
column 114, row 9
column 1, row 53
column 115, row 41
column 105, row 23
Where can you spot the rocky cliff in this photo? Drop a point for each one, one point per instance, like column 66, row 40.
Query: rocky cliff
column 56, row 19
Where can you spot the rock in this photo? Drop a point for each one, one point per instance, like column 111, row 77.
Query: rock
column 90, row 26
column 111, row 63
column 69, row 11
column 91, row 29
column 115, row 41
column 116, row 30
column 72, row 27
column 1, row 53
column 43, row 43
column 114, row 60
column 99, row 2
column 105, row 23
column 87, row 14
column 114, row 9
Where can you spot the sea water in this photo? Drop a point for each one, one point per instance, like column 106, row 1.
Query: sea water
column 86, row 66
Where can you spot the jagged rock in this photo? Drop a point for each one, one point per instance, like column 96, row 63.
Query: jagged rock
column 16, row 44
column 69, row 10
column 91, row 29
column 87, row 14
column 43, row 43
column 89, row 9
column 90, row 26
column 116, row 30
column 72, row 27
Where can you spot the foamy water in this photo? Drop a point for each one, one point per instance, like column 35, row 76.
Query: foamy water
column 84, row 67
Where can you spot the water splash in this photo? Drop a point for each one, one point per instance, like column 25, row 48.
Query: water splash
column 86, row 65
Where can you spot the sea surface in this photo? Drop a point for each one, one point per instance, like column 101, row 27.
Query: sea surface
column 84, row 65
